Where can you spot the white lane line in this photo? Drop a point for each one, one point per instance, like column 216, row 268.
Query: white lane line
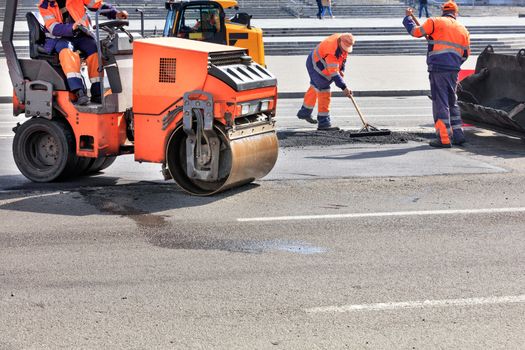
column 368, row 115
column 18, row 199
column 511, row 299
column 384, row 214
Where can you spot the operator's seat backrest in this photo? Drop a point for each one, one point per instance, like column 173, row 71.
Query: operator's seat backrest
column 37, row 39
column 37, row 34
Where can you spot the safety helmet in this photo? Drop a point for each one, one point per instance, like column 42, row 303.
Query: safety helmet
column 347, row 40
column 450, row 6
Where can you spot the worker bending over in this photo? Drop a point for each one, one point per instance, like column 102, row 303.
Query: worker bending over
column 63, row 20
column 325, row 65
column 448, row 48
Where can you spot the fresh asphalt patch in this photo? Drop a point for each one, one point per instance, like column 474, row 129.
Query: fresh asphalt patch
column 292, row 138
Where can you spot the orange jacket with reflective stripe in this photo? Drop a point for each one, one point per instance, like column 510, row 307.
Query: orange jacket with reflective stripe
column 52, row 15
column 448, row 41
column 328, row 59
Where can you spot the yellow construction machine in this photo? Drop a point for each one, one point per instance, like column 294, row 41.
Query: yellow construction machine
column 205, row 20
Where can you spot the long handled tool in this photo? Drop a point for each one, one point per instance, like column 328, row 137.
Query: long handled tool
column 367, row 129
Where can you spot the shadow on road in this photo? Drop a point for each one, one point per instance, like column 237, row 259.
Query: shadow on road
column 374, row 154
column 141, row 201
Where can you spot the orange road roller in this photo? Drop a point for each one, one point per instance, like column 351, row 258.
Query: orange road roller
column 204, row 111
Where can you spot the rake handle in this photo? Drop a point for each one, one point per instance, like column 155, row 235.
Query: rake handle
column 365, row 124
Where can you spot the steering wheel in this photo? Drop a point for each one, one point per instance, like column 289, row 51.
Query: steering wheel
column 112, row 25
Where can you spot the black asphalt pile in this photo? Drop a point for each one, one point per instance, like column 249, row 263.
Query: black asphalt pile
column 343, row 137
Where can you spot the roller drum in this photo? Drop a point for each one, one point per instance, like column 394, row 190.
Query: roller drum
column 241, row 161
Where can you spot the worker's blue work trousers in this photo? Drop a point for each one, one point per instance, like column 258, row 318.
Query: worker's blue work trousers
column 319, row 89
column 86, row 45
column 447, row 117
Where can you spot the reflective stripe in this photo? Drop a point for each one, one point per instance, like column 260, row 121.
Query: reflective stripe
column 332, row 65
column 308, row 107
column 73, row 75
column 323, row 114
column 325, row 90
column 95, row 80
column 333, row 74
column 448, row 43
column 51, row 36
column 51, row 28
column 47, row 18
column 92, row 3
column 457, row 127
column 63, row 10
column 423, row 31
column 433, row 53
column 313, row 87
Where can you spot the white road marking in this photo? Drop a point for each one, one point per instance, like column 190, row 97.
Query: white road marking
column 421, row 115
column 17, row 199
column 384, row 214
column 511, row 299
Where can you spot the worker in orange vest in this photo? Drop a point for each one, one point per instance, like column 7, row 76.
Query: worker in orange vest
column 326, row 65
column 448, row 48
column 63, row 20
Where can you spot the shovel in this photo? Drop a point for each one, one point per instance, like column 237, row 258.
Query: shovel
column 367, row 129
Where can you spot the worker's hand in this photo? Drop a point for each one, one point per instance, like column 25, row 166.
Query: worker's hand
column 409, row 12
column 122, row 14
column 342, row 73
column 77, row 24
column 347, row 92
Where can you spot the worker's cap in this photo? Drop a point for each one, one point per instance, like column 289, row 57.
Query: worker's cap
column 450, row 6
column 347, row 40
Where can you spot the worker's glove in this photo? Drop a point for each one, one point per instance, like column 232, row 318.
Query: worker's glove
column 122, row 14
column 347, row 92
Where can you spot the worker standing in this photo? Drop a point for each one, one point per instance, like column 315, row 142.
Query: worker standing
column 326, row 65
column 448, row 48
column 64, row 20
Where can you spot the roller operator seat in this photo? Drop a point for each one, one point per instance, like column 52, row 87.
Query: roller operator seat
column 37, row 38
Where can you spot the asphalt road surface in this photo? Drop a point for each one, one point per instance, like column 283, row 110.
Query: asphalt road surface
column 363, row 245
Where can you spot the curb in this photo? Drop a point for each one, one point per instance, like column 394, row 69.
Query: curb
column 386, row 93
column 284, row 95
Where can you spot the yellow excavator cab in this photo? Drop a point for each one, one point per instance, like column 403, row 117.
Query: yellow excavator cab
column 205, row 20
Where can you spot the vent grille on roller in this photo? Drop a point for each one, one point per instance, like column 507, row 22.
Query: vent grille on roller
column 167, row 71
column 226, row 58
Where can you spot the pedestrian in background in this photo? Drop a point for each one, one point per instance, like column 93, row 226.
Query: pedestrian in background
column 448, row 48
column 319, row 8
column 326, row 65
column 423, row 4
column 327, row 7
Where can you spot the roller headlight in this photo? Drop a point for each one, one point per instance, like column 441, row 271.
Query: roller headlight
column 265, row 105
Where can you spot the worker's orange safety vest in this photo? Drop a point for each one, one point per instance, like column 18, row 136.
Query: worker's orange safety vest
column 52, row 14
column 445, row 35
column 324, row 57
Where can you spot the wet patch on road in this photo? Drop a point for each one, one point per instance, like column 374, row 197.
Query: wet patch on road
column 188, row 242
column 289, row 138
column 120, row 203
column 199, row 235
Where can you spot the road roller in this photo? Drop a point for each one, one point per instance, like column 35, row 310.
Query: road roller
column 203, row 111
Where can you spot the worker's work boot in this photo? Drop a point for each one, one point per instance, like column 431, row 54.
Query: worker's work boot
column 458, row 137
column 438, row 144
column 328, row 128
column 325, row 124
column 96, row 94
column 82, row 98
column 306, row 114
